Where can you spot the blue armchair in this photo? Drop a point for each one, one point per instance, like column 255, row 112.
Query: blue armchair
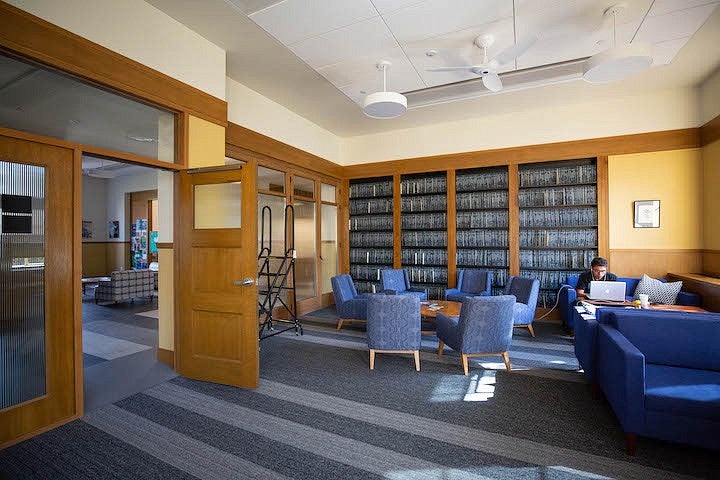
column 471, row 283
column 484, row 327
column 397, row 282
column 393, row 326
column 350, row 306
column 526, row 290
column 567, row 297
column 661, row 376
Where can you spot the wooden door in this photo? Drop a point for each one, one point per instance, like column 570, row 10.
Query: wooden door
column 217, row 334
column 39, row 378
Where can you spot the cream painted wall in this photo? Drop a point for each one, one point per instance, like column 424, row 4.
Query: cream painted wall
column 711, row 179
column 258, row 113
column 166, row 299
column 710, row 97
column 206, row 144
column 660, row 110
column 675, row 178
column 141, row 32
column 165, row 182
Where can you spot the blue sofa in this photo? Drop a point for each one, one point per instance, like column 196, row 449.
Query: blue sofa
column 567, row 297
column 661, row 375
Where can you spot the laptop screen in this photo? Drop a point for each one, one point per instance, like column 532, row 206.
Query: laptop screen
column 614, row 291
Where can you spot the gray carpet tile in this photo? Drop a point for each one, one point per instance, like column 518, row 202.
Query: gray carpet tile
column 285, row 458
column 90, row 360
column 78, row 451
column 123, row 312
column 124, row 331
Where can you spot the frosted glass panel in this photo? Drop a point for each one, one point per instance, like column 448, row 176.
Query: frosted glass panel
column 304, row 187
column 22, row 283
column 305, row 246
column 327, row 192
column 270, row 180
column 328, row 246
column 217, row 205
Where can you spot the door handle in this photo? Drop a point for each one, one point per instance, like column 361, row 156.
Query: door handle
column 248, row 282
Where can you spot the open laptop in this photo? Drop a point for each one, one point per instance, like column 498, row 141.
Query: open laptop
column 607, row 291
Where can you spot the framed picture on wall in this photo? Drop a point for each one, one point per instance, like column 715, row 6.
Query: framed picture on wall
column 647, row 214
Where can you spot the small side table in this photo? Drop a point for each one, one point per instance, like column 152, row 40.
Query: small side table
column 90, row 281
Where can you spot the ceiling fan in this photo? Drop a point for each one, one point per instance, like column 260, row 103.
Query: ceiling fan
column 488, row 68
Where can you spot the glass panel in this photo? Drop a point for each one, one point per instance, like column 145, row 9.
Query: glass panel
column 217, row 205
column 274, row 241
column 304, row 187
column 305, row 246
column 270, row 180
column 328, row 246
column 327, row 192
column 47, row 103
column 22, row 283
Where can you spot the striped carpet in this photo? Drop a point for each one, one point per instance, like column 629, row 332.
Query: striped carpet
column 320, row 413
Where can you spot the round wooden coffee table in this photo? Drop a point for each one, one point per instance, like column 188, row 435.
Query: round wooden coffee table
column 451, row 309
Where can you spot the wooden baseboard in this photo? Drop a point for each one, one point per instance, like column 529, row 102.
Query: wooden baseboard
column 166, row 356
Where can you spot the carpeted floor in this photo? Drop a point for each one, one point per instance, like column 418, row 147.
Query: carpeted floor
column 321, row 413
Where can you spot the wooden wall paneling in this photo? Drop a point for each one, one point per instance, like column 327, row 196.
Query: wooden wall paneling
column 603, row 206
column 451, row 230
column 397, row 223
column 617, row 145
column 513, row 219
column 711, row 263
column 36, row 39
column 710, row 131
column 94, row 259
column 656, row 262
column 707, row 287
column 344, row 226
column 239, row 136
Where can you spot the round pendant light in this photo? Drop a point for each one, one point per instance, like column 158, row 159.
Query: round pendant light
column 384, row 105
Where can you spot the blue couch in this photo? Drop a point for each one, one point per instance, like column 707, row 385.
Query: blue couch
column 661, row 375
column 567, row 297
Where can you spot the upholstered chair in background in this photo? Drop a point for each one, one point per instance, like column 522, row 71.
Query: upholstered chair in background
column 471, row 283
column 397, row 282
column 350, row 306
column 526, row 292
column 393, row 326
column 484, row 327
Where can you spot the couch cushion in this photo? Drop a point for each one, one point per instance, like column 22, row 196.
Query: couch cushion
column 682, row 391
column 657, row 291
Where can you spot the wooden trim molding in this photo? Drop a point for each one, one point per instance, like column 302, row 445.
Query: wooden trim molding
column 166, row 356
column 247, row 139
column 710, row 132
column 617, row 145
column 34, row 38
column 603, row 206
column 164, row 244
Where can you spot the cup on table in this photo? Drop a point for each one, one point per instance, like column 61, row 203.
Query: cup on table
column 644, row 300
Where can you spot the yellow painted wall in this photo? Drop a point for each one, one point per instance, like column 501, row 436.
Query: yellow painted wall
column 166, row 299
column 673, row 177
column 711, row 179
column 206, row 144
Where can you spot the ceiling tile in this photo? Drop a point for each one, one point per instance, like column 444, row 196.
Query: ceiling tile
column 386, row 6
column 436, row 17
column 347, row 43
column 661, row 7
column 671, row 26
column 294, row 20
column 664, row 52
column 364, row 70
column 250, row 6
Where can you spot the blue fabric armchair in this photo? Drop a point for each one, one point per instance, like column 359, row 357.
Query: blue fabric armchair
column 526, row 291
column 567, row 297
column 484, row 327
column 397, row 282
column 661, row 376
column 393, row 326
column 350, row 306
column 471, row 283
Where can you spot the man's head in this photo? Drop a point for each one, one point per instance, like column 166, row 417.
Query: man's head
column 598, row 267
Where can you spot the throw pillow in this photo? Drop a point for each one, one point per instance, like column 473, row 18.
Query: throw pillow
column 657, row 291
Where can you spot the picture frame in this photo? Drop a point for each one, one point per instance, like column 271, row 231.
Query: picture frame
column 647, row 214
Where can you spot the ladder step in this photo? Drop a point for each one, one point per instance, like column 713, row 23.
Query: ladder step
column 277, row 274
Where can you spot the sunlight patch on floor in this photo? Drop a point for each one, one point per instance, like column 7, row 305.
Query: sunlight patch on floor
column 481, row 388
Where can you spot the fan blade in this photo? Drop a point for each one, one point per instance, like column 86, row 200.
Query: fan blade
column 450, row 69
column 492, row 82
column 514, row 51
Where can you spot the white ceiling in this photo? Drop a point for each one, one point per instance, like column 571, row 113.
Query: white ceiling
column 341, row 41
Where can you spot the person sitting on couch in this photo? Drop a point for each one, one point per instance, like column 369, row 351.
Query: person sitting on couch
column 598, row 272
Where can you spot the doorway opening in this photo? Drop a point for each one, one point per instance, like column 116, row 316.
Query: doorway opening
column 120, row 266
